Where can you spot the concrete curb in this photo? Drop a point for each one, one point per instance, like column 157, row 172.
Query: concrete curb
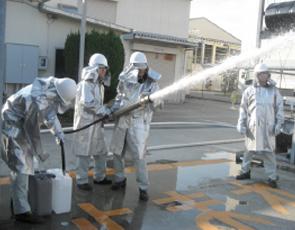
column 170, row 124
column 283, row 164
column 206, row 96
column 174, row 146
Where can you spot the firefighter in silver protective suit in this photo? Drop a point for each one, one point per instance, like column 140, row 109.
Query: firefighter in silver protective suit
column 89, row 107
column 261, row 119
column 131, row 130
column 22, row 115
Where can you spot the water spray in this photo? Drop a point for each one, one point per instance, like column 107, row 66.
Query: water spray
column 230, row 63
column 189, row 81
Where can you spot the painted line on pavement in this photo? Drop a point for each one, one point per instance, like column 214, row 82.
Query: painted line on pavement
column 165, row 124
column 162, row 167
column 83, row 224
column 150, row 168
column 103, row 217
column 5, row 180
column 173, row 146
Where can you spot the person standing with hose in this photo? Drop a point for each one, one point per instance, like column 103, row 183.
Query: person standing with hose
column 88, row 108
column 131, row 130
column 22, row 115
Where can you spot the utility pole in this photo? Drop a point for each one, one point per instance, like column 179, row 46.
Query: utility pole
column 2, row 56
column 259, row 23
column 82, row 37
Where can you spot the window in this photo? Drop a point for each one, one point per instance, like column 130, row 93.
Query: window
column 68, row 8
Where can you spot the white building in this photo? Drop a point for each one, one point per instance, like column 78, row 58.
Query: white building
column 36, row 32
column 215, row 45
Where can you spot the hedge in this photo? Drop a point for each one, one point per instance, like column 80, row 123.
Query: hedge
column 108, row 44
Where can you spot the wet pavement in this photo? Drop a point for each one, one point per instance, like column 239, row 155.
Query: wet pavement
column 191, row 187
column 200, row 194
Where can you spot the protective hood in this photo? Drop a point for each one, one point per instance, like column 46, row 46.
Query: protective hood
column 270, row 83
column 107, row 80
column 90, row 73
column 129, row 74
column 44, row 87
column 154, row 75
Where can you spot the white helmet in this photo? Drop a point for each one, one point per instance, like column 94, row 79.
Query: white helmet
column 260, row 68
column 98, row 59
column 66, row 89
column 138, row 59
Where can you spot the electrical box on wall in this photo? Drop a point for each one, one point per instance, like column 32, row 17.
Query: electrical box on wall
column 43, row 63
column 21, row 63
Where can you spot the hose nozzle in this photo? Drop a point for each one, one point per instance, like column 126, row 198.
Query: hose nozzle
column 132, row 107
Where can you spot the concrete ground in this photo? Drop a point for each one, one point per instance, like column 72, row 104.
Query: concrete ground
column 191, row 162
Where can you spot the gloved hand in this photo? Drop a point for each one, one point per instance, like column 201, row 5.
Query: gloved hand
column 108, row 111
column 242, row 130
column 59, row 137
column 143, row 96
column 277, row 130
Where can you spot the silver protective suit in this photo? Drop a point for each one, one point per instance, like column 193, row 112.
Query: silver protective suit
column 131, row 130
column 88, row 108
column 137, row 122
column 261, row 116
column 22, row 115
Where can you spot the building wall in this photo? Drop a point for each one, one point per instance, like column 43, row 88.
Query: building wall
column 105, row 10
column 27, row 25
column 36, row 28
column 170, row 17
column 217, row 45
column 166, row 60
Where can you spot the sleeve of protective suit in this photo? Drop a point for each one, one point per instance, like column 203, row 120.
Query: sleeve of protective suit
column 89, row 102
column 49, row 118
column 279, row 112
column 242, row 122
column 119, row 98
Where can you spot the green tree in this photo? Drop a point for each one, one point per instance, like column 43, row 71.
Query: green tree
column 108, row 44
column 229, row 81
column 71, row 53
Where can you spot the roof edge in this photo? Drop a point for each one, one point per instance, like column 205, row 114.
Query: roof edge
column 159, row 38
column 217, row 26
column 47, row 9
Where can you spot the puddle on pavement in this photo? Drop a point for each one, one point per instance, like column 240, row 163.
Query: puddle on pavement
column 230, row 204
column 190, row 177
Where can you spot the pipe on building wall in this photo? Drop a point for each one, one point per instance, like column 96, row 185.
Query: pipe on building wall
column 2, row 56
column 82, row 37
column 259, row 23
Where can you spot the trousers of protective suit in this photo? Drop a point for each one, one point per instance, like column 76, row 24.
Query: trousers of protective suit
column 139, row 164
column 20, row 193
column 83, row 166
column 269, row 160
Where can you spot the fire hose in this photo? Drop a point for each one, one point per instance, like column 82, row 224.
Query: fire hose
column 116, row 114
